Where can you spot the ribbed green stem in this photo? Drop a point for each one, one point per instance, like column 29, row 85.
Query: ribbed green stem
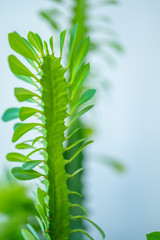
column 55, row 99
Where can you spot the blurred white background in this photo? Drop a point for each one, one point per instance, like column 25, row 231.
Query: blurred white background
column 126, row 206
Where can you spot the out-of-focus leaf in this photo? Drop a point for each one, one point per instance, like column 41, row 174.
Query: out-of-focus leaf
column 111, row 162
column 116, row 46
column 27, row 235
column 153, row 236
column 32, row 230
column 10, row 114
column 41, row 213
column 41, row 196
column 49, row 18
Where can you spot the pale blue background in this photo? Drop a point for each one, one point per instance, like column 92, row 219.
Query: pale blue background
column 126, row 206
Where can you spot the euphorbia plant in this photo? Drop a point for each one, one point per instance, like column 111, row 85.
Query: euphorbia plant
column 56, row 106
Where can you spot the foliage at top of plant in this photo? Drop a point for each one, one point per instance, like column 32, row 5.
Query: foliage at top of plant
column 94, row 22
column 56, row 106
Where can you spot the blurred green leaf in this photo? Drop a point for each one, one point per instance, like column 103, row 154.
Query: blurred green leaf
column 27, row 235
column 32, row 230
column 116, row 46
column 10, row 114
column 153, row 236
column 111, row 162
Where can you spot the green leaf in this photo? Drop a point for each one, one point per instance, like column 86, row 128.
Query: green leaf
column 86, row 96
column 19, row 68
column 22, row 129
column 80, row 78
column 80, row 55
column 76, row 172
column 41, row 213
column 111, row 162
column 79, row 206
column 94, row 224
column 48, row 16
column 18, row 44
column 46, row 47
column 83, row 111
column 34, row 40
column 34, row 151
column 23, row 146
column 26, row 112
column 62, row 38
column 40, row 40
column 76, row 143
column 40, row 224
column 72, row 41
column 116, row 46
column 33, row 231
column 23, row 94
column 37, row 139
column 27, row 235
column 26, row 79
column 51, row 43
column 10, row 114
column 82, row 231
column 31, row 164
column 153, row 236
column 41, row 196
column 21, row 174
column 16, row 157
column 79, row 150
column 17, row 125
